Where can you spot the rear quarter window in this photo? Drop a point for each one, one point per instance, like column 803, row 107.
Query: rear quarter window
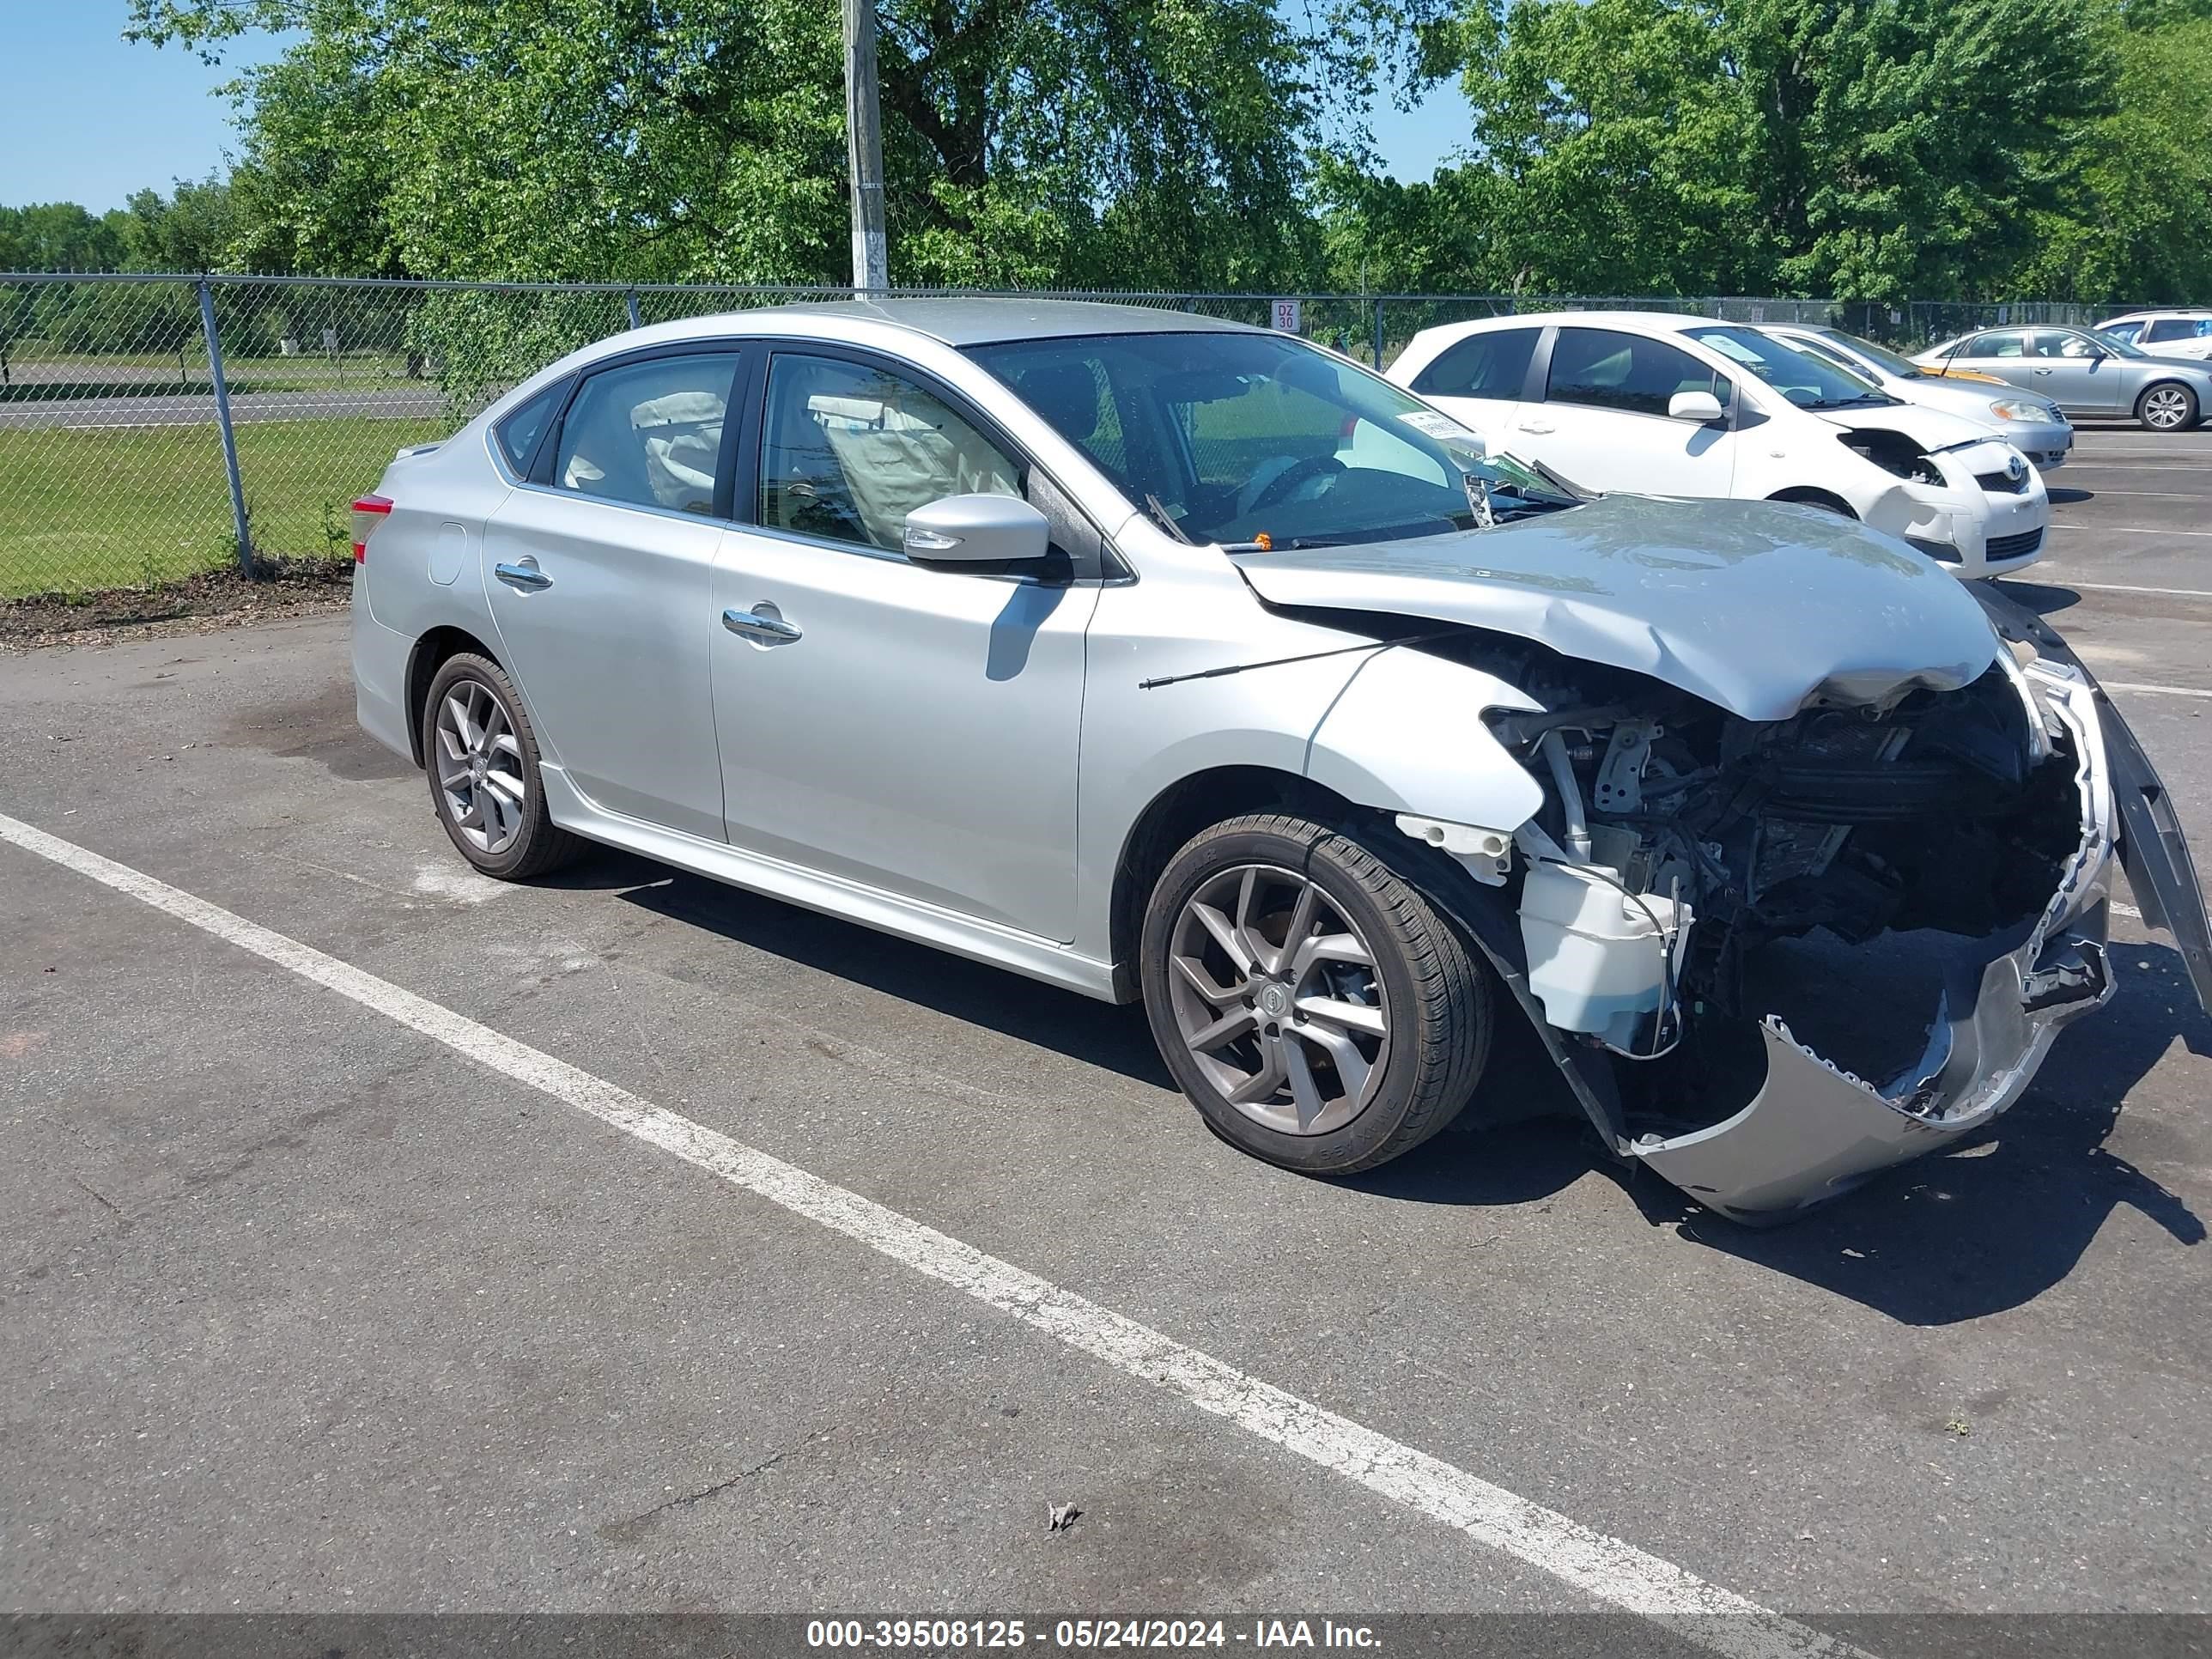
column 519, row 432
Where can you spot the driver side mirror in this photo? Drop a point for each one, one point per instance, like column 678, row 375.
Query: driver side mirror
column 976, row 530
column 1698, row 408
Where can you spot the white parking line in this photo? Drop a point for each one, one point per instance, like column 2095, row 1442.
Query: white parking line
column 2154, row 691
column 1601, row 1566
column 2052, row 570
column 2133, row 466
column 2125, row 530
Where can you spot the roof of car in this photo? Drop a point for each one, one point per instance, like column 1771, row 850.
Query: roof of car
column 2191, row 312
column 967, row 320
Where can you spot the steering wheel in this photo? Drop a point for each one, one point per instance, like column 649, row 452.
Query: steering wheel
column 1291, row 477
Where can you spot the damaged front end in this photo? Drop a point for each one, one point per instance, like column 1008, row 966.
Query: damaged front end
column 1776, row 956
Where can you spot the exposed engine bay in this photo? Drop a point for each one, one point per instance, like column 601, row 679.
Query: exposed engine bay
column 1890, row 852
column 1803, row 848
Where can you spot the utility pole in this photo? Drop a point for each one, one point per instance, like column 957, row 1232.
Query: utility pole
column 863, row 148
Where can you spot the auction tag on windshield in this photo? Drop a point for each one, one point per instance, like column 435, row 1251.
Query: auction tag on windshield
column 1443, row 428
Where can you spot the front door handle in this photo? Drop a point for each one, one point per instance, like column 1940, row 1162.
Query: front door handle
column 1536, row 426
column 525, row 577
column 754, row 625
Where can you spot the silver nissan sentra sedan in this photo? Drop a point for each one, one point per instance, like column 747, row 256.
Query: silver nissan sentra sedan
column 1160, row 657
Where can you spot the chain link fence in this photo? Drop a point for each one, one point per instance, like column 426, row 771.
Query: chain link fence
column 155, row 428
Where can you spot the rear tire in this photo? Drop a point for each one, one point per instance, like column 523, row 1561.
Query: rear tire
column 482, row 759
column 2169, row 406
column 1317, row 1011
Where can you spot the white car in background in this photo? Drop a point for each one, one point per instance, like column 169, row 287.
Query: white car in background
column 2034, row 426
column 1665, row 405
column 2165, row 333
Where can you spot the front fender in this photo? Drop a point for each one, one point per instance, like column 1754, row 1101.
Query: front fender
column 1405, row 735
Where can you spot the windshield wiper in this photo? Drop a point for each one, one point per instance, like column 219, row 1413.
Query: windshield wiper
column 1166, row 522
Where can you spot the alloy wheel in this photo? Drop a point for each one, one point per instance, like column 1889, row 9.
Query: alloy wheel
column 479, row 763
column 2164, row 407
column 1276, row 995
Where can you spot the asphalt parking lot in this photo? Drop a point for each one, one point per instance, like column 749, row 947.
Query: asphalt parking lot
column 320, row 1298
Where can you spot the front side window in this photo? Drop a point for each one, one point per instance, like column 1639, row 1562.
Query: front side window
column 1492, row 365
column 1603, row 369
column 2131, row 333
column 1230, row 435
column 648, row 434
column 848, row 450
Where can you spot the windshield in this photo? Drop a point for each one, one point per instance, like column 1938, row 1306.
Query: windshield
column 1807, row 381
column 1880, row 356
column 2116, row 344
column 1240, row 438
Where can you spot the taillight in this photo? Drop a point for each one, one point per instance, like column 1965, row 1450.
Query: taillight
column 368, row 511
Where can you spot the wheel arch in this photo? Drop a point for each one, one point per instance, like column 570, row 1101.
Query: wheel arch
column 1806, row 496
column 1179, row 811
column 431, row 653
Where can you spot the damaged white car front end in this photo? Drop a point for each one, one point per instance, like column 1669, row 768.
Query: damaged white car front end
column 1825, row 854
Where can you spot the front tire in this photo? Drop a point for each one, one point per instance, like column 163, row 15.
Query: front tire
column 2168, row 406
column 482, row 761
column 1317, row 1011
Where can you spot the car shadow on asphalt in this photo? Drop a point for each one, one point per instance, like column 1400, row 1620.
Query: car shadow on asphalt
column 1992, row 1224
column 2044, row 598
column 1115, row 1039
column 1988, row 1226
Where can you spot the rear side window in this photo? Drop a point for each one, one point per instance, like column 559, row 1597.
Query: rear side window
column 1606, row 370
column 1492, row 365
column 649, row 434
column 2173, row 328
column 2008, row 342
column 519, row 432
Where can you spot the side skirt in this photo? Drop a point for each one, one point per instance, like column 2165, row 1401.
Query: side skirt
column 925, row 924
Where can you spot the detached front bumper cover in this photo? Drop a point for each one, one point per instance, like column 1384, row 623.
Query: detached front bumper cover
column 1814, row 1131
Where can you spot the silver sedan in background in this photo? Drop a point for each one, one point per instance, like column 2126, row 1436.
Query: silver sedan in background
column 2087, row 374
column 2033, row 425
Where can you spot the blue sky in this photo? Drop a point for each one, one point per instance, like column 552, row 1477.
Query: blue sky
column 88, row 117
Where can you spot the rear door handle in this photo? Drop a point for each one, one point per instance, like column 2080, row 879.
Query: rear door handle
column 774, row 630
column 1536, row 426
column 526, row 576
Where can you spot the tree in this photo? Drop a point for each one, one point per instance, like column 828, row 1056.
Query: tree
column 1861, row 148
column 193, row 229
column 57, row 236
column 1101, row 141
column 2136, row 224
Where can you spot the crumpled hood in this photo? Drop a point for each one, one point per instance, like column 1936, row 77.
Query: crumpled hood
column 1755, row 607
column 1931, row 428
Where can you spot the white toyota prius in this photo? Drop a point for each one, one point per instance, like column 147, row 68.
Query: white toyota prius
column 1666, row 405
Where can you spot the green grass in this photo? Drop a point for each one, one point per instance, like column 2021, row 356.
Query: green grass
column 86, row 510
